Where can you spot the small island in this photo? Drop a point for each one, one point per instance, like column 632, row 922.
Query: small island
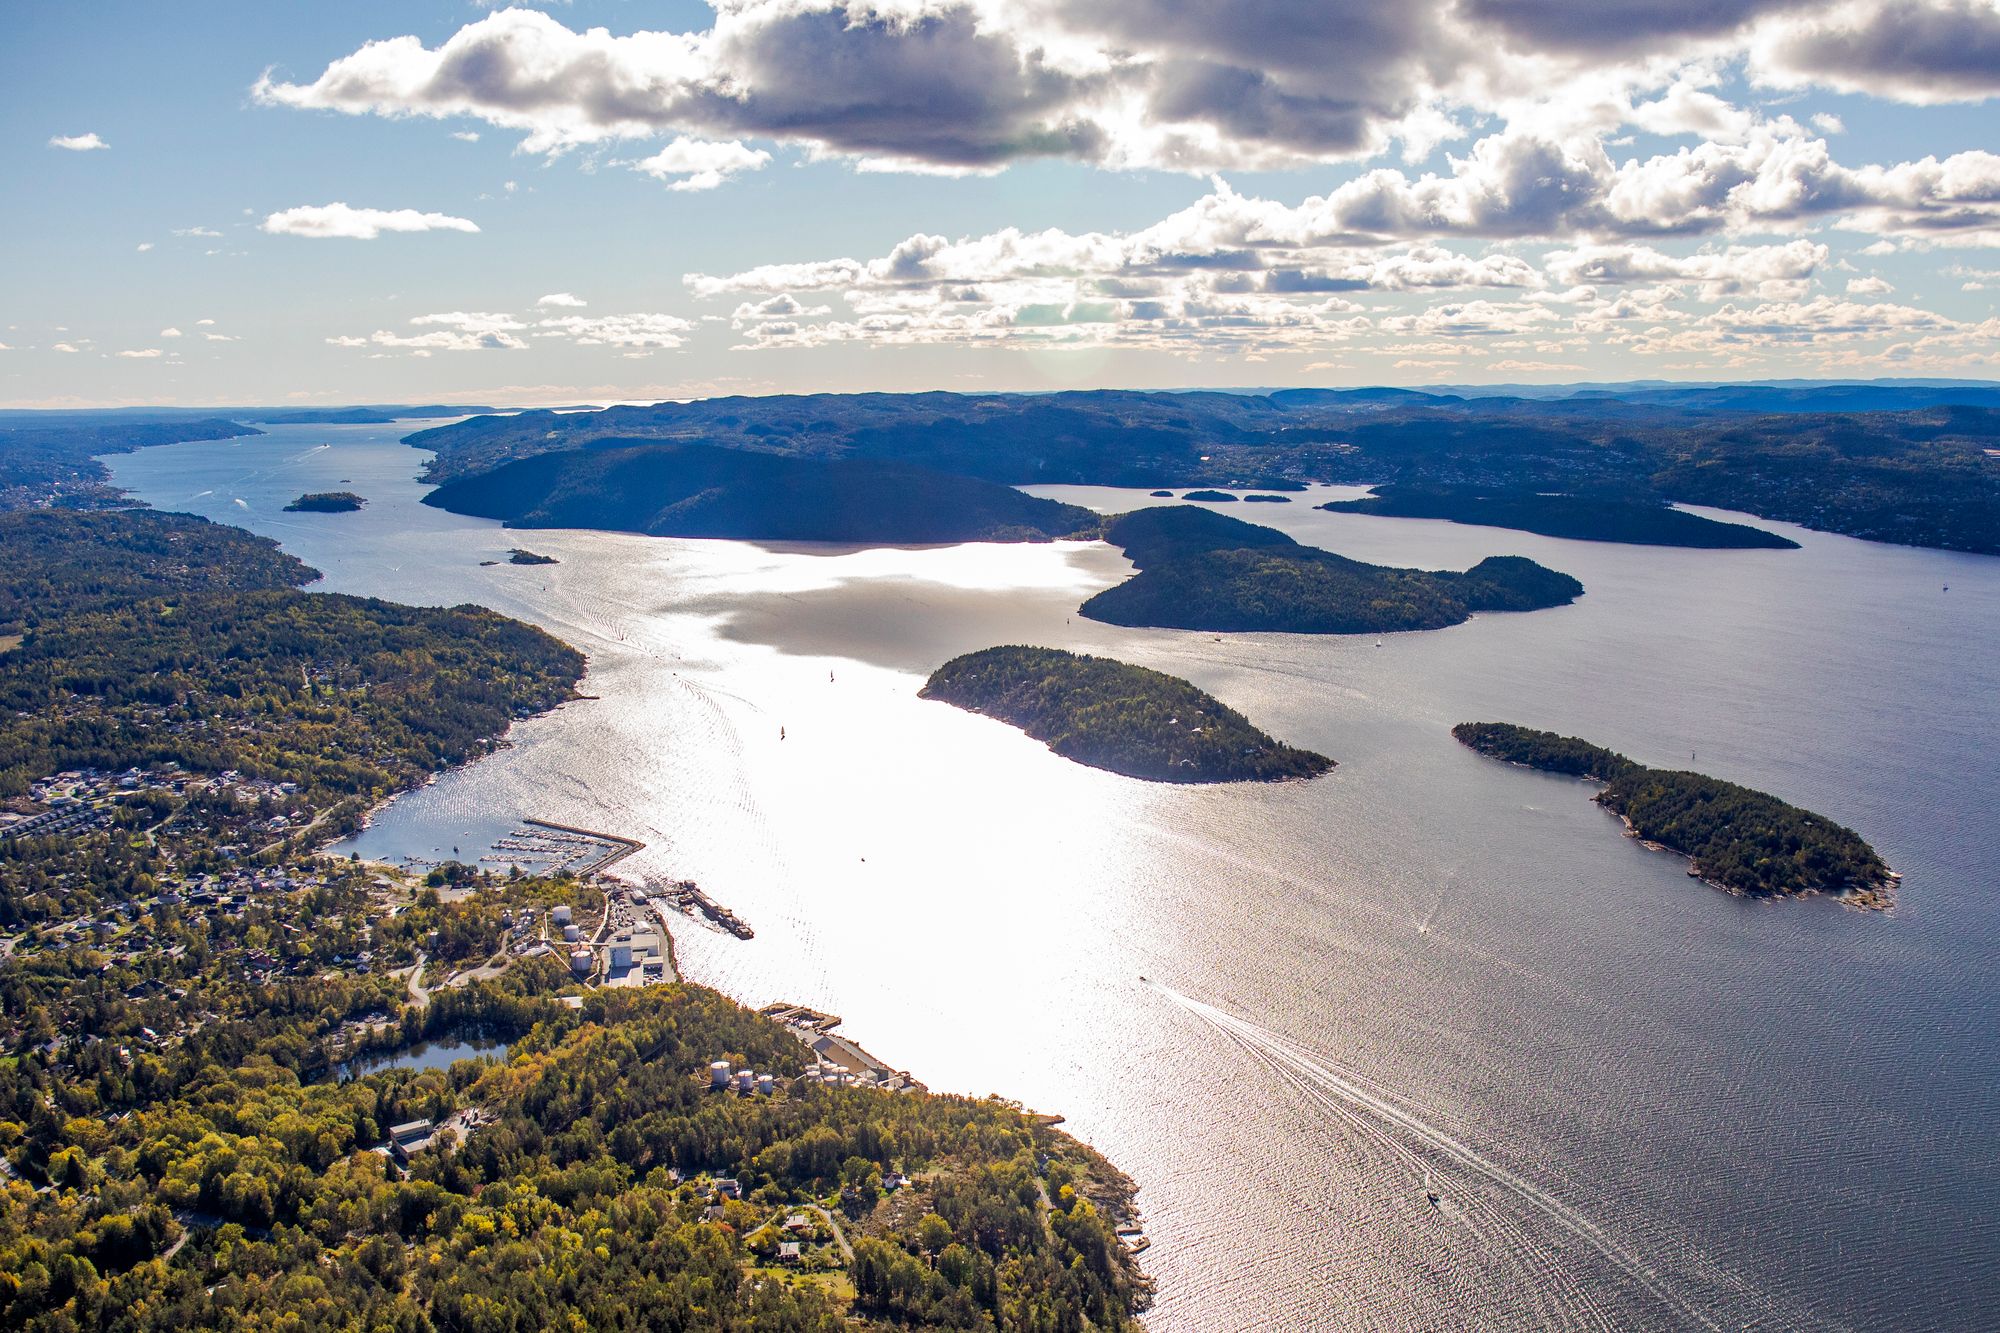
column 1267, row 499
column 1210, row 497
column 518, row 556
column 1161, row 495
column 696, row 490
column 1207, row 571
column 1740, row 840
column 1121, row 718
column 326, row 502
column 1592, row 518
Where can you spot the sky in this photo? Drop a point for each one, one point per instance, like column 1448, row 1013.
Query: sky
column 274, row 202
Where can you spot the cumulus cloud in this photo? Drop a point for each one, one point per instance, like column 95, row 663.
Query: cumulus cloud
column 561, row 299
column 451, row 331
column 141, row 353
column 696, row 164
column 482, row 330
column 65, row 347
column 208, row 232
column 1869, row 286
column 338, row 220
column 170, row 333
column 971, row 85
column 144, row 246
column 628, row 331
column 78, row 143
column 1927, row 52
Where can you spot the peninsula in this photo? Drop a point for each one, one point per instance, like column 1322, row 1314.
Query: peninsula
column 1121, row 718
column 1591, row 518
column 1743, row 841
column 326, row 502
column 1202, row 570
column 691, row 490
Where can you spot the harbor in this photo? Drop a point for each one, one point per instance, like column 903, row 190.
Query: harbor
column 541, row 847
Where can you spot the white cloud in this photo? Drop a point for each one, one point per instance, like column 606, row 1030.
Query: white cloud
column 338, row 220
column 1828, row 123
column 221, row 337
column 1869, row 286
column 204, row 323
column 696, row 164
column 466, row 136
column 451, row 331
column 637, row 330
column 567, row 299
column 971, row 85
column 78, row 143
column 197, row 231
column 144, row 246
column 170, row 333
column 143, row 353
column 65, row 347
column 1923, row 51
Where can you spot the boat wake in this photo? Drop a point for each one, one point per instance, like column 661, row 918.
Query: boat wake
column 1486, row 1195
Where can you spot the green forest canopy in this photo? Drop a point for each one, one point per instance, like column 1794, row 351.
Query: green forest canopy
column 1116, row 716
column 1747, row 841
column 1206, row 571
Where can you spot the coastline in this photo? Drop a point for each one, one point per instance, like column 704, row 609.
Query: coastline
column 1877, row 897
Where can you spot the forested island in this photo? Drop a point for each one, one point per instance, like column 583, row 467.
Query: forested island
column 700, row 491
column 1736, row 838
column 518, row 556
column 1115, row 716
column 1891, row 461
column 326, row 502
column 1206, row 571
column 185, row 978
column 1595, row 518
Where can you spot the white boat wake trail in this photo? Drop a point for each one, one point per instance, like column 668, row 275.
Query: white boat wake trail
column 1346, row 1094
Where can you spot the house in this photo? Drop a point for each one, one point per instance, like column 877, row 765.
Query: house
column 410, row 1137
column 788, row 1252
column 798, row 1224
column 726, row 1188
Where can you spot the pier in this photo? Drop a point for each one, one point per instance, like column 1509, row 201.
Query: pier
column 837, row 1061
column 686, row 897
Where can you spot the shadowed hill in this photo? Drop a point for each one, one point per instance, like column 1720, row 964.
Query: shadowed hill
column 700, row 491
column 1202, row 570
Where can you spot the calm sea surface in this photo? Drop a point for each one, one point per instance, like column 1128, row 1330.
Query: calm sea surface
column 1639, row 1102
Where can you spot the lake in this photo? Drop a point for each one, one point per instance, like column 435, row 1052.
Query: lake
column 424, row 1055
column 1640, row 1102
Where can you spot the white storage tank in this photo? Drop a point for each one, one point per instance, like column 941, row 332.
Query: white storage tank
column 766, row 1084
column 580, row 962
column 744, row 1080
column 718, row 1073
column 572, row 934
column 560, row 916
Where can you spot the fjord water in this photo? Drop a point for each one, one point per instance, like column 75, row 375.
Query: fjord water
column 1640, row 1102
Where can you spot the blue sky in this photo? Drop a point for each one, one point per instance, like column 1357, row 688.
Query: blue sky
column 621, row 200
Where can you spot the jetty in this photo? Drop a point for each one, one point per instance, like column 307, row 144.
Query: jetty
column 837, row 1061
column 686, row 897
